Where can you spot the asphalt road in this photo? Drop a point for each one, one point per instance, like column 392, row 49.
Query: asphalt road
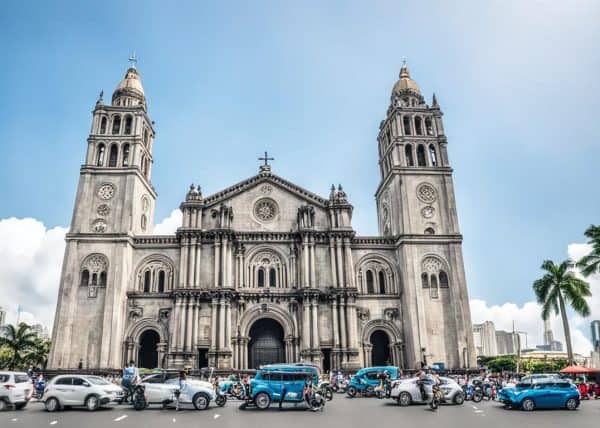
column 341, row 412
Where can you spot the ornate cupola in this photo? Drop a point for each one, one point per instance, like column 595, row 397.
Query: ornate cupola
column 406, row 91
column 129, row 91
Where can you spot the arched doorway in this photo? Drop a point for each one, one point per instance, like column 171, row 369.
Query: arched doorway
column 148, row 353
column 266, row 343
column 380, row 355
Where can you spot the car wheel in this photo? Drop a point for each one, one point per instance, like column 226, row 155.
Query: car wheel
column 351, row 391
column 20, row 406
column 571, row 404
column 262, row 400
column 528, row 405
column 201, row 401
column 3, row 405
column 52, row 405
column 459, row 398
column 92, row 403
column 404, row 399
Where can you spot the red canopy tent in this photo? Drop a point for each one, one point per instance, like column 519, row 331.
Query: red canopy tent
column 578, row 370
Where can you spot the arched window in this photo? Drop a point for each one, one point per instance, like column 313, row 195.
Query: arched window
column 429, row 231
column 443, row 279
column 125, row 155
column 408, row 151
column 145, row 137
column 424, row 280
column 370, row 280
column 428, row 126
column 418, row 125
column 114, row 155
column 94, row 279
column 143, row 222
column 103, row 124
column 261, row 277
column 406, row 122
column 100, row 155
column 161, row 281
column 432, row 155
column 145, row 167
column 272, row 278
column 85, row 278
column 128, row 125
column 434, row 287
column 102, row 279
column 421, row 156
column 116, row 124
column 147, row 281
column 381, row 282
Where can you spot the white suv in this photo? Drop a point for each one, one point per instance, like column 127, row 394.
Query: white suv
column 80, row 390
column 15, row 388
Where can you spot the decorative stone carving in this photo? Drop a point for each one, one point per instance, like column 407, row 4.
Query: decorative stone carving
column 106, row 191
column 164, row 314
column 99, row 226
column 386, row 214
column 145, row 203
column 363, row 314
column 266, row 189
column 391, row 314
column 96, row 263
column 426, row 193
column 428, row 211
column 103, row 210
column 432, row 264
column 135, row 313
column 265, row 210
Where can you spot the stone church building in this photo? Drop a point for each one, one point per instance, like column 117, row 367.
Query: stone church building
column 263, row 271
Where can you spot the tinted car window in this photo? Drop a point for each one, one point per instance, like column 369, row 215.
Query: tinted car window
column 98, row 380
column 21, row 378
column 77, row 381
column 63, row 381
column 371, row 376
column 4, row 377
column 152, row 379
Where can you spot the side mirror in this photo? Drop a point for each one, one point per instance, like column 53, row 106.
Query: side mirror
column 86, row 384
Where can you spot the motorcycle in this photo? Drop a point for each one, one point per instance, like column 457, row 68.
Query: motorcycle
column 138, row 397
column 326, row 390
column 38, row 389
column 315, row 400
column 473, row 392
column 437, row 397
column 220, row 397
column 339, row 386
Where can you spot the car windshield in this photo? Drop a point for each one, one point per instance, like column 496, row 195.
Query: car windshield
column 96, row 380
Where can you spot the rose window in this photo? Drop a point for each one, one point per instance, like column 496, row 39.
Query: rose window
column 426, row 193
column 265, row 210
column 106, row 191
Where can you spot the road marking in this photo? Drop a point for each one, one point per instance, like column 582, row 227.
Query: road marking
column 475, row 407
column 14, row 420
column 174, row 420
column 478, row 411
column 53, row 422
column 217, row 416
column 120, row 418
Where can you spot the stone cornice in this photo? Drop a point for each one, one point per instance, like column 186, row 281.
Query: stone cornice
column 98, row 170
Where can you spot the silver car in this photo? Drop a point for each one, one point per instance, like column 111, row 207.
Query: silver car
column 90, row 392
column 407, row 391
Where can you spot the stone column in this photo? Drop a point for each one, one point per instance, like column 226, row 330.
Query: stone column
column 313, row 272
column 352, row 321
column 343, row 332
column 315, row 343
column 217, row 261
column 182, row 322
column 189, row 324
column 222, row 344
column 332, row 259
column 334, row 317
column 175, row 324
column 192, row 262
column 349, row 264
column 198, row 258
column 182, row 263
column 184, row 254
column 306, row 278
column 195, row 324
column 340, row 260
column 227, row 324
column 224, row 267
column 305, row 323
column 213, row 324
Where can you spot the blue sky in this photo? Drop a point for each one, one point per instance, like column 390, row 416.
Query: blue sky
column 309, row 82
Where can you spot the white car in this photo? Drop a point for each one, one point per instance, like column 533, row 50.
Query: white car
column 407, row 391
column 15, row 388
column 80, row 390
column 160, row 386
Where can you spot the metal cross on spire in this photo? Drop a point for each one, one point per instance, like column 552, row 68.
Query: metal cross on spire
column 266, row 158
column 133, row 60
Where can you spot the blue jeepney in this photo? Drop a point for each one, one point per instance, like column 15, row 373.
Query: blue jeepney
column 281, row 382
column 367, row 379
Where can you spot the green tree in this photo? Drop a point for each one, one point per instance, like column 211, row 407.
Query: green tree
column 590, row 263
column 38, row 355
column 6, row 356
column 20, row 340
column 557, row 287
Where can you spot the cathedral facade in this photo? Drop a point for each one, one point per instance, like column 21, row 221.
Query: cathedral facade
column 263, row 271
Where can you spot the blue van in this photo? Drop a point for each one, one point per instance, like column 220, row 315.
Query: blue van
column 366, row 380
column 277, row 382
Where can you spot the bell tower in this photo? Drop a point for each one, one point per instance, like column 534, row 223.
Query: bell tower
column 416, row 205
column 115, row 194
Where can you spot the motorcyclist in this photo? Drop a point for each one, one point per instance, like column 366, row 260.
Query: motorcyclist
column 131, row 376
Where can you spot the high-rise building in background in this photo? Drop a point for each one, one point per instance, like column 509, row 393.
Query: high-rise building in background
column 548, row 336
column 507, row 342
column 595, row 325
column 2, row 316
column 484, row 337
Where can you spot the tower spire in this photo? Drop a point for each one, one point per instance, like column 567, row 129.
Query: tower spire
column 133, row 60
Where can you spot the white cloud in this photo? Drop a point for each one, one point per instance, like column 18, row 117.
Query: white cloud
column 528, row 316
column 30, row 263
column 170, row 224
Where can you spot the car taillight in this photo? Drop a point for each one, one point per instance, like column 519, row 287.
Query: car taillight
column 9, row 385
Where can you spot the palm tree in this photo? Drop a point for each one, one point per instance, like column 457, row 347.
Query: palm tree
column 591, row 263
column 558, row 285
column 38, row 355
column 19, row 340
